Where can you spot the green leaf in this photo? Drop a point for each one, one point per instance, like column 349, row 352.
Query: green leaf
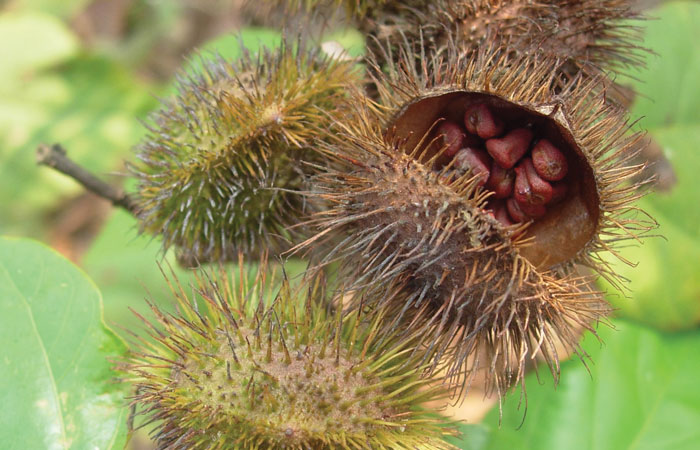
column 33, row 41
column 57, row 382
column 63, row 8
column 641, row 393
column 663, row 289
column 125, row 267
column 473, row 437
column 668, row 87
column 231, row 46
column 680, row 144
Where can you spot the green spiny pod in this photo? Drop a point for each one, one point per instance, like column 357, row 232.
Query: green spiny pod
column 232, row 371
column 219, row 171
column 479, row 185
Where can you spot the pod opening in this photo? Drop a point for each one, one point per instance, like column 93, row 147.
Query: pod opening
column 525, row 156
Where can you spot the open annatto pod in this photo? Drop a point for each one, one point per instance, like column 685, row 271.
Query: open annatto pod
column 488, row 290
column 218, row 172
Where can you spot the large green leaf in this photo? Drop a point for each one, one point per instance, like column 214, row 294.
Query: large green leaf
column 57, row 385
column 668, row 86
column 639, row 393
column 664, row 290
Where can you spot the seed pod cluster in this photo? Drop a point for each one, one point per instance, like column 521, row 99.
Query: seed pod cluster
column 460, row 199
column 218, row 172
column 488, row 292
column 287, row 373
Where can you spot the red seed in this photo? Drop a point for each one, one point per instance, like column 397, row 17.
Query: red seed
column 550, row 163
column 514, row 211
column 452, row 136
column 473, row 160
column 500, row 212
column 522, row 191
column 541, row 190
column 478, row 119
column 558, row 192
column 510, row 148
column 501, row 181
column 533, row 211
column 471, row 140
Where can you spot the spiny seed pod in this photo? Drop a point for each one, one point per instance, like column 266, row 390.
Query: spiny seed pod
column 232, row 371
column 589, row 36
column 489, row 284
column 218, row 172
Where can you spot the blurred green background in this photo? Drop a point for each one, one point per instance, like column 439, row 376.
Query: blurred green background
column 85, row 73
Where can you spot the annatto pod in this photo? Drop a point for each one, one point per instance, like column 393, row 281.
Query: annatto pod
column 479, row 190
column 239, row 372
column 590, row 36
column 218, row 172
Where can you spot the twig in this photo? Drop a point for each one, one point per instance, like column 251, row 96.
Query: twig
column 55, row 157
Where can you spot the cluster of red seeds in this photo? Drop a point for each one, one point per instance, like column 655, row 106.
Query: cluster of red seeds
column 525, row 173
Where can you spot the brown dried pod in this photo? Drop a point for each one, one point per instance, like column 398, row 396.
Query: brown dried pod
column 589, row 36
column 486, row 294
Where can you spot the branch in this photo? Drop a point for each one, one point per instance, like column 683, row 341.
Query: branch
column 55, row 157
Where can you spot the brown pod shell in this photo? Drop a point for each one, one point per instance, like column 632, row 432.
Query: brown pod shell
column 589, row 37
column 398, row 219
column 407, row 228
column 593, row 135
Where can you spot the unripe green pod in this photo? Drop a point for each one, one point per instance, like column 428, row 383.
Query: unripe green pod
column 234, row 370
column 221, row 168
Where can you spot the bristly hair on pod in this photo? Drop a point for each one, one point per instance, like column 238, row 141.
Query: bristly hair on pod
column 478, row 186
column 261, row 364
column 218, row 172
